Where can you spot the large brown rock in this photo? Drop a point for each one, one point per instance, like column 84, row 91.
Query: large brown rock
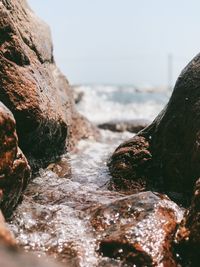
column 14, row 168
column 165, row 156
column 137, row 230
column 32, row 86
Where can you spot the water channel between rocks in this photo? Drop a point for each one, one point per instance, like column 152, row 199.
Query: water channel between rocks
column 51, row 217
column 54, row 216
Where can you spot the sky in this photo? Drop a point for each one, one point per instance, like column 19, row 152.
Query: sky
column 122, row 41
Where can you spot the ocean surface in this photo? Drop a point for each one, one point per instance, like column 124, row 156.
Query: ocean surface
column 53, row 218
column 104, row 103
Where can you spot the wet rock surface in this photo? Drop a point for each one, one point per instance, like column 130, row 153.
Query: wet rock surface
column 6, row 237
column 14, row 168
column 133, row 126
column 33, row 88
column 138, row 229
column 53, row 219
column 12, row 258
column 188, row 235
column 61, row 167
column 169, row 162
column 129, row 166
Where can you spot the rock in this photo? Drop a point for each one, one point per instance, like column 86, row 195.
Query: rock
column 62, row 168
column 33, row 88
column 129, row 166
column 165, row 156
column 14, row 168
column 12, row 258
column 133, row 126
column 78, row 96
column 138, row 230
column 188, row 233
column 6, row 237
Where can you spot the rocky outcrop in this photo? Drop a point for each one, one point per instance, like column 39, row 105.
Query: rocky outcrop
column 33, row 88
column 133, row 126
column 14, row 168
column 165, row 156
column 138, row 230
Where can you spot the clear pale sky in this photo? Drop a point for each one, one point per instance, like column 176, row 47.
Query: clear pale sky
column 121, row 41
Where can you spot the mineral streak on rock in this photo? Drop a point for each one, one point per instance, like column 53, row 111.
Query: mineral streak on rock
column 168, row 149
column 138, row 229
column 14, row 168
column 32, row 86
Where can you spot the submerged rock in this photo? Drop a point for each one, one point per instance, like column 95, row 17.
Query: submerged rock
column 133, row 126
column 138, row 230
column 165, row 156
column 61, row 167
column 14, row 168
column 33, row 88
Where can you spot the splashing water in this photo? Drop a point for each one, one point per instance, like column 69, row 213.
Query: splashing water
column 105, row 103
column 52, row 218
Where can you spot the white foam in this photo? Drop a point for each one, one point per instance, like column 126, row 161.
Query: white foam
column 105, row 103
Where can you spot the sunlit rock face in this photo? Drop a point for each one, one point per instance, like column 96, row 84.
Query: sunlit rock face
column 32, row 86
column 138, row 229
column 14, row 168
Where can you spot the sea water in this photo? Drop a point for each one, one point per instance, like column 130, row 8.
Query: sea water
column 51, row 220
column 105, row 103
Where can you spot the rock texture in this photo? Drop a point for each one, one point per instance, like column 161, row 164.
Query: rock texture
column 188, row 234
column 14, row 168
column 32, row 86
column 138, row 230
column 12, row 258
column 133, row 126
column 6, row 237
column 165, row 156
